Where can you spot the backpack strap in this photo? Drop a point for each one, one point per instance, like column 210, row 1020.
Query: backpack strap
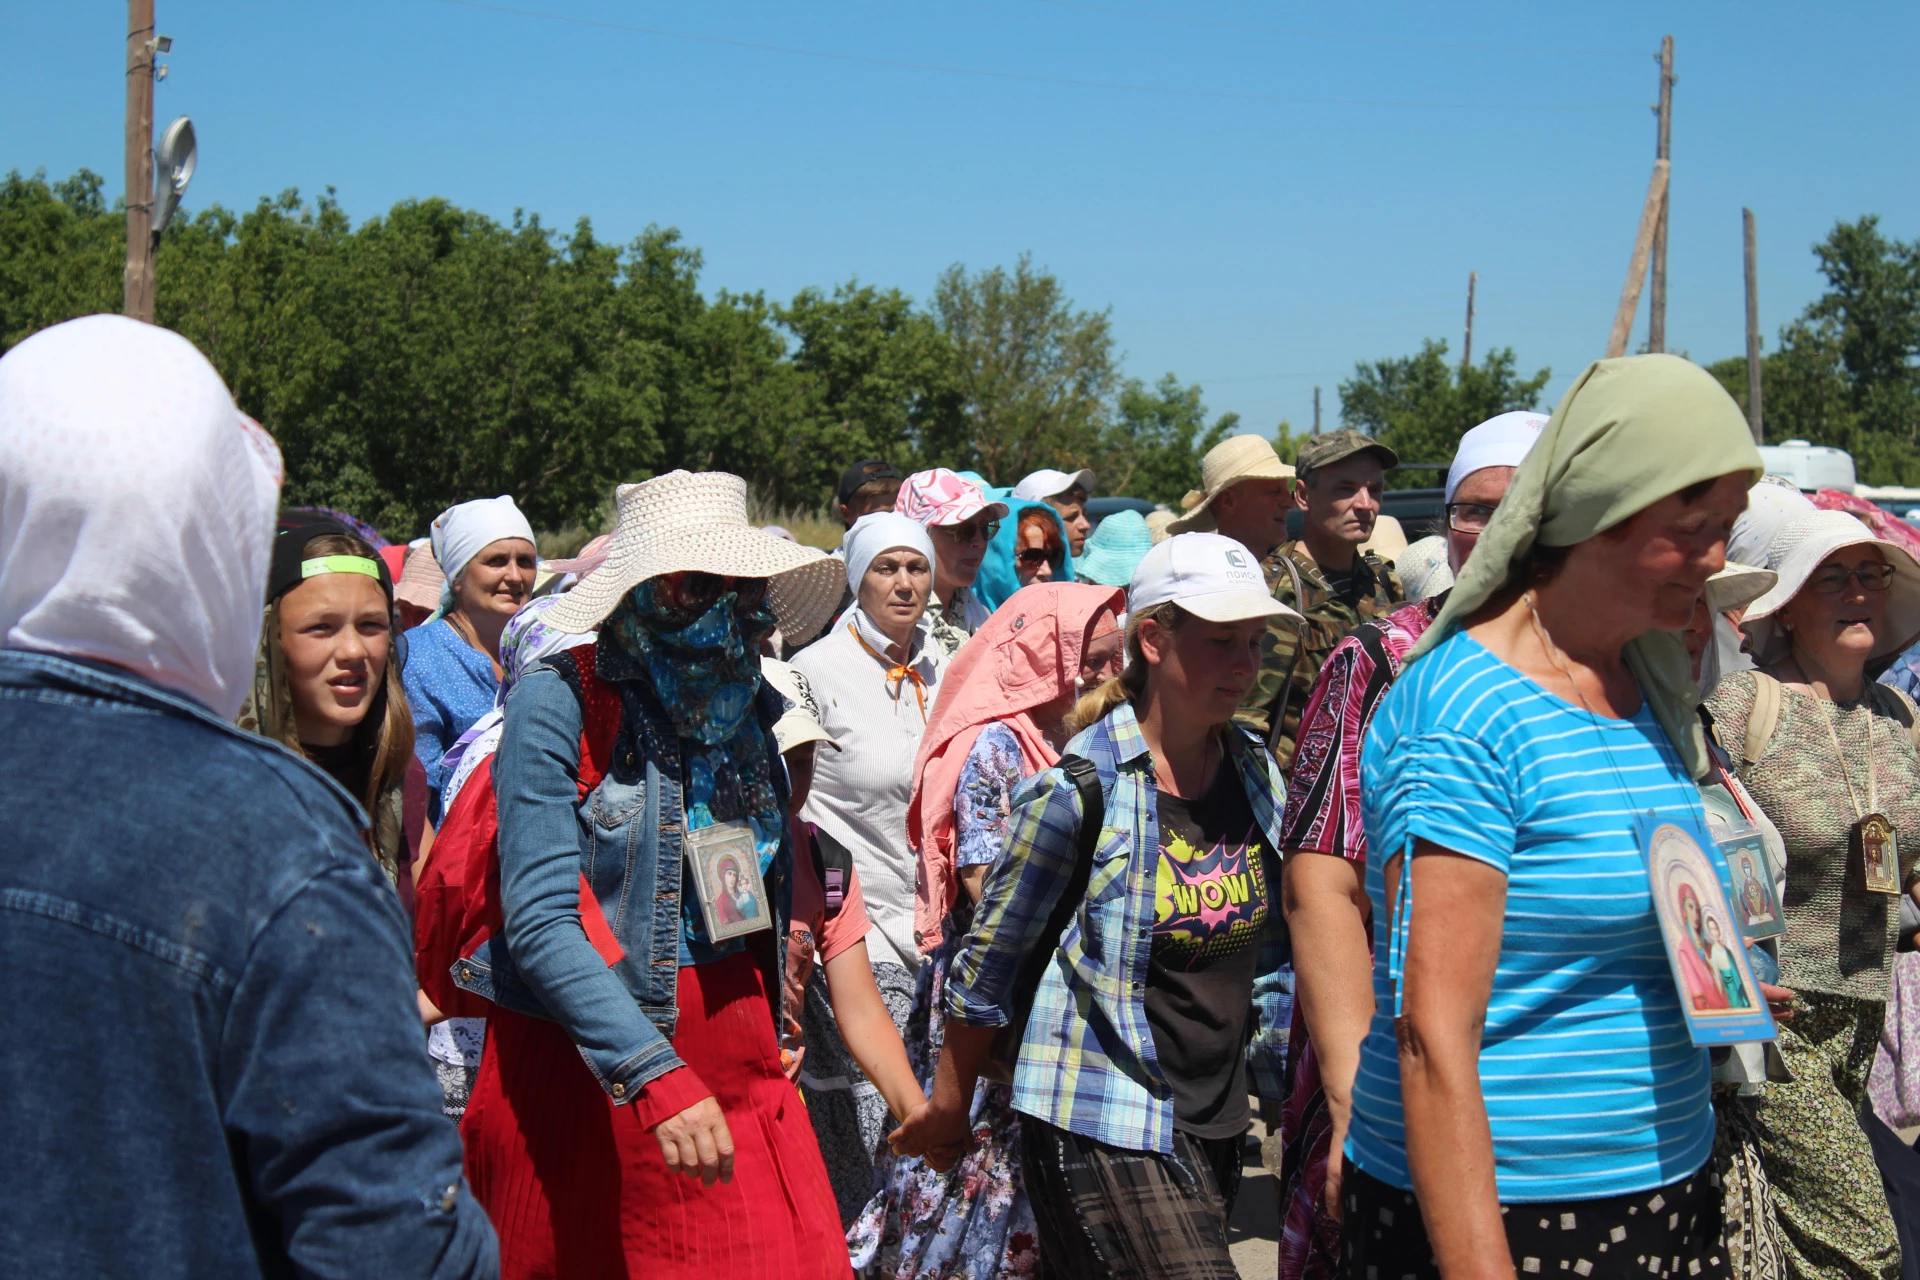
column 1761, row 720
column 833, row 863
column 1902, row 708
column 1276, row 724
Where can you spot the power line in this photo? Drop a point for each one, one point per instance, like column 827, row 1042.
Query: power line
column 1064, row 81
column 1188, row 20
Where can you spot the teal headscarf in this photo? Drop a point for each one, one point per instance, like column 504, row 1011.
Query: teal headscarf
column 999, row 572
column 1629, row 432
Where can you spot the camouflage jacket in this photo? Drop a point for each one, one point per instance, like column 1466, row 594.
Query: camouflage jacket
column 1289, row 667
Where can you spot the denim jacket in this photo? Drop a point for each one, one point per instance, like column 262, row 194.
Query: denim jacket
column 1087, row 1062
column 625, row 838
column 213, row 1062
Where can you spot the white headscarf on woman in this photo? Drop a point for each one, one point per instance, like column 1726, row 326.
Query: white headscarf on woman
column 136, row 508
column 879, row 531
column 462, row 531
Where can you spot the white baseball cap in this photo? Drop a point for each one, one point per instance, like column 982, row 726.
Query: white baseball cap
column 1042, row 485
column 1207, row 574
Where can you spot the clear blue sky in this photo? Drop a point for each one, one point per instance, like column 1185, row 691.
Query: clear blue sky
column 1295, row 188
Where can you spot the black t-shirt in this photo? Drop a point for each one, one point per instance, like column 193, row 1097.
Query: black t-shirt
column 1210, row 905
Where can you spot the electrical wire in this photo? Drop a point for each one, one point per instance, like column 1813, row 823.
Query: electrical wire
column 1064, row 81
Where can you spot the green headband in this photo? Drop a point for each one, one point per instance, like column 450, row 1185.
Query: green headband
column 339, row 564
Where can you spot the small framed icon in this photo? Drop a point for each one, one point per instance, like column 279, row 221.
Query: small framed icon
column 1879, row 853
column 726, row 878
column 1711, row 973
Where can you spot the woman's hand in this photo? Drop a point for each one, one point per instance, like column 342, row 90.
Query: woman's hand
column 1779, row 1000
column 697, row 1143
column 940, row 1136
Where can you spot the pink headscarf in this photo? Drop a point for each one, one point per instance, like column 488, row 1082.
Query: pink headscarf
column 1025, row 656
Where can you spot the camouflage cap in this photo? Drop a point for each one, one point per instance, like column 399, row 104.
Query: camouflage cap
column 1323, row 451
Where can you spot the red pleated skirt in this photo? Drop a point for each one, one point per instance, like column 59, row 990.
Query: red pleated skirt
column 577, row 1189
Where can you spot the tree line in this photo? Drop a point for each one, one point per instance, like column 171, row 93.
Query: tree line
column 432, row 354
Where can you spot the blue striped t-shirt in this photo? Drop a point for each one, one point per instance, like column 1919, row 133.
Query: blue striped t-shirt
column 1591, row 1083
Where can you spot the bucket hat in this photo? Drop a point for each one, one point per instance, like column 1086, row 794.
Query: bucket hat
column 420, row 580
column 1115, row 550
column 1798, row 550
column 1234, row 459
column 696, row 522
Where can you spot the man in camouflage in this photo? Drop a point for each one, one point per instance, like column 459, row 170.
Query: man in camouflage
column 1324, row 576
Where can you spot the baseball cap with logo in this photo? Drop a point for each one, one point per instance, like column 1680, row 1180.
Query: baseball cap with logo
column 1209, row 575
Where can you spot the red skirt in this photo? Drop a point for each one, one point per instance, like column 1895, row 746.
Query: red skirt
column 577, row 1188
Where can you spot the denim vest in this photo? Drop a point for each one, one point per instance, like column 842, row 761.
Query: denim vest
column 629, row 830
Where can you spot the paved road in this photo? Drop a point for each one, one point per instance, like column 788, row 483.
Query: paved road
column 1254, row 1232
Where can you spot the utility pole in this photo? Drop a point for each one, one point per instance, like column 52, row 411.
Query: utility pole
column 1637, row 263
column 1316, row 411
column 1753, row 331
column 140, row 50
column 1466, row 348
column 1657, row 302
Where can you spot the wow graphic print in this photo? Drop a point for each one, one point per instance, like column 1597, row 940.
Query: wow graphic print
column 1207, row 903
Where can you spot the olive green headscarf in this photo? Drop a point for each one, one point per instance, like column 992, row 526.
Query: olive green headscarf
column 1629, row 432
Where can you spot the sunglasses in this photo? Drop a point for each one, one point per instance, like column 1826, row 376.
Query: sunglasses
column 1035, row 556
column 968, row 530
column 694, row 592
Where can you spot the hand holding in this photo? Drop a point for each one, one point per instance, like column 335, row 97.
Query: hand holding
column 696, row 1142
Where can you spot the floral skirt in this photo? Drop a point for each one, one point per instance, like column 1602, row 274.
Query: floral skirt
column 973, row 1222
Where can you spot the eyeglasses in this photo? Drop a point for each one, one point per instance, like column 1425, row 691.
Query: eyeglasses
column 1469, row 517
column 968, row 531
column 1035, row 556
column 695, row 592
column 1873, row 577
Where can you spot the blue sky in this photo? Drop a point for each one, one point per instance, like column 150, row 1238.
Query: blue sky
column 1283, row 190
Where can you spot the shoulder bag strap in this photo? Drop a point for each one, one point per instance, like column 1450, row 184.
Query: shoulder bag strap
column 1278, row 715
column 1761, row 720
column 1903, row 710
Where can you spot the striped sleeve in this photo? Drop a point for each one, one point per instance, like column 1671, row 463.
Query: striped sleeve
column 1454, row 792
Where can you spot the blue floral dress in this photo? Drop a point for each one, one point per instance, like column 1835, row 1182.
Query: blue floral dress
column 973, row 1222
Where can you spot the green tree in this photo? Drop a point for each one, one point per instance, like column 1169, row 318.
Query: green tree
column 1154, row 446
column 62, row 254
column 1421, row 405
column 1036, row 377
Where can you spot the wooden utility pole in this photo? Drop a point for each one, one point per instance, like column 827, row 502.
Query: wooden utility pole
column 1753, row 332
column 1657, row 302
column 140, row 49
column 1316, row 411
column 1466, row 348
column 1637, row 264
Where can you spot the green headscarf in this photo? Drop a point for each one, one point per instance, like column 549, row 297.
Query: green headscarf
column 1629, row 432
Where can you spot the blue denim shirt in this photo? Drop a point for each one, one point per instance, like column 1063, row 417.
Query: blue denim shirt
column 213, row 1063
column 626, row 839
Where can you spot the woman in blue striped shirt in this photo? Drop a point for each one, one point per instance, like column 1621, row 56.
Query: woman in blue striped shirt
column 1528, row 1097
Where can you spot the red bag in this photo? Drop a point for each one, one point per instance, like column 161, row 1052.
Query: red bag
column 457, row 901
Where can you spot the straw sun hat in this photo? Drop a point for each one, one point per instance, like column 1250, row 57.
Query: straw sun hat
column 688, row 521
column 1234, row 459
column 1798, row 551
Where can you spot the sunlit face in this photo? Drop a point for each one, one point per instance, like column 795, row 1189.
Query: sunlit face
column 497, row 579
column 960, row 548
column 875, row 495
column 1105, row 654
column 1657, row 562
column 1072, row 506
column 1474, row 503
column 1254, row 513
column 1342, row 499
column 1033, row 558
column 1836, row 618
column 894, row 589
column 1205, row 666
column 335, row 634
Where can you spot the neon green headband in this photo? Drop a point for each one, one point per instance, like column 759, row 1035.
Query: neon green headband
column 339, row 564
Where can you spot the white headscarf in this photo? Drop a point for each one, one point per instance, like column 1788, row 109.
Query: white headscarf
column 463, row 530
column 136, row 508
column 1500, row 441
column 879, row 531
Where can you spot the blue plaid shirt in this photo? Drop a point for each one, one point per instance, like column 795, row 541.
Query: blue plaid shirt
column 1087, row 1064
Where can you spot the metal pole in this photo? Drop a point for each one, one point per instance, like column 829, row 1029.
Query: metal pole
column 1754, row 417
column 1316, row 411
column 1466, row 348
column 140, row 46
column 1657, row 302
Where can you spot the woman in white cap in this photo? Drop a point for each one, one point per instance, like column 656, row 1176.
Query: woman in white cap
column 1150, row 922
column 485, row 549
column 630, row 1115
column 875, row 675
column 1528, row 1097
column 1829, row 755
column 1325, row 847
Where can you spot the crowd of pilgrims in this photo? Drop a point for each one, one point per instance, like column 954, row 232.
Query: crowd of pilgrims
column 952, row 904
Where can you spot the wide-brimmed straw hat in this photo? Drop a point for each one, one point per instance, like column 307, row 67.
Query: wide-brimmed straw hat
column 1798, row 551
column 1234, row 459
column 696, row 522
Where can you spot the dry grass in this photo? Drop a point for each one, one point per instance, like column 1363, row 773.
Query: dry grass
column 814, row 528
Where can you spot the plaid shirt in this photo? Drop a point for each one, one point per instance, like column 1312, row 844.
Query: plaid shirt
column 1087, row 1064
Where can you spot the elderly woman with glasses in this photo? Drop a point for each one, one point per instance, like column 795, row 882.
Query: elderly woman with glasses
column 1829, row 757
column 961, row 520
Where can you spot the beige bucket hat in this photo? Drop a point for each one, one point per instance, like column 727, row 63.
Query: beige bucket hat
column 1797, row 551
column 1227, row 464
column 688, row 521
